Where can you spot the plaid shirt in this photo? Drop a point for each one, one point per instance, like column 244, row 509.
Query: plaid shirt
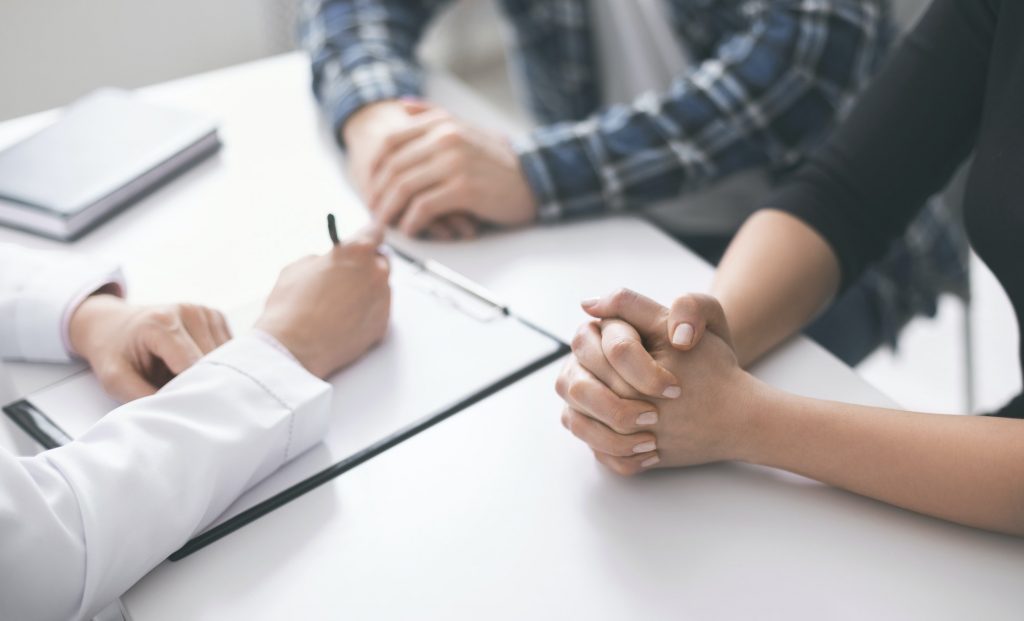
column 769, row 80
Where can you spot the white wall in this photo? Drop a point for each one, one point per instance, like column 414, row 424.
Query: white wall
column 52, row 51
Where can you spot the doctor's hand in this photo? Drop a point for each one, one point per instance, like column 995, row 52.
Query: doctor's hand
column 611, row 386
column 439, row 169
column 134, row 350
column 329, row 309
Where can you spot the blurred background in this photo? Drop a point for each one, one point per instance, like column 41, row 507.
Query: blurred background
column 52, row 51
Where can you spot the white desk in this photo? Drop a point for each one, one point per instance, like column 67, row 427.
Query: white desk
column 499, row 512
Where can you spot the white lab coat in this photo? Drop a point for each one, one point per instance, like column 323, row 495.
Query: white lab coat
column 81, row 523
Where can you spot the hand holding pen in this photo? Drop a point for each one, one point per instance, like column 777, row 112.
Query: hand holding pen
column 328, row 309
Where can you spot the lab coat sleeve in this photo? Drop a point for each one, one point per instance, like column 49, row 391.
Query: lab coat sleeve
column 39, row 290
column 81, row 523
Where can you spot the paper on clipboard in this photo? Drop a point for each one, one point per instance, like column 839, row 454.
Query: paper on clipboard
column 442, row 346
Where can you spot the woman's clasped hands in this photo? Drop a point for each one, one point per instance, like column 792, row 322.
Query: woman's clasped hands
column 648, row 386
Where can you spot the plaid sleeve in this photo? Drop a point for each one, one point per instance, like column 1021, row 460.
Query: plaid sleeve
column 363, row 51
column 765, row 95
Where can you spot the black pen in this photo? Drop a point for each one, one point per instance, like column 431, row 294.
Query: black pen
column 332, row 229
column 429, row 266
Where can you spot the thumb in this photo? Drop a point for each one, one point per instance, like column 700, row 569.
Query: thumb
column 691, row 316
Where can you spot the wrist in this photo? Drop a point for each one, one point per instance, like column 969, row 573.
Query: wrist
column 294, row 345
column 361, row 122
column 88, row 316
column 749, row 414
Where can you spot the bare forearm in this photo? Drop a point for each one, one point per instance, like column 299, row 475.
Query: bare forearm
column 965, row 469
column 777, row 274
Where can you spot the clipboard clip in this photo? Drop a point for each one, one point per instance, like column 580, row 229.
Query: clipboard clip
column 453, row 288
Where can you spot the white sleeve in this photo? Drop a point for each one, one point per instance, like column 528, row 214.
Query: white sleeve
column 38, row 292
column 81, row 523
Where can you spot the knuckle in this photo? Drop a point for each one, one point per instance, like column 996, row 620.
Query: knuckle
column 462, row 183
column 579, row 339
column 108, row 371
column 570, row 423
column 562, row 384
column 162, row 318
column 619, row 419
column 623, row 446
column 621, row 467
column 686, row 305
column 421, row 206
column 576, row 391
column 623, row 295
column 621, row 298
column 619, row 349
column 449, row 136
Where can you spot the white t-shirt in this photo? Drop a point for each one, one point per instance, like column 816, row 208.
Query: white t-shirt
column 639, row 53
column 637, row 48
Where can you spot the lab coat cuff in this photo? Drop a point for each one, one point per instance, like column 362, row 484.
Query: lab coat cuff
column 44, row 309
column 276, row 372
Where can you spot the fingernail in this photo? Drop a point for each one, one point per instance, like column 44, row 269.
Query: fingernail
column 650, row 461
column 683, row 334
column 647, row 418
column 645, row 447
column 590, row 301
column 672, row 392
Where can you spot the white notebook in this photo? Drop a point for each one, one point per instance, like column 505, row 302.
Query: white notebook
column 106, row 150
column 445, row 348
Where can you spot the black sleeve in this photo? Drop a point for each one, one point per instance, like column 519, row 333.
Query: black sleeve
column 912, row 127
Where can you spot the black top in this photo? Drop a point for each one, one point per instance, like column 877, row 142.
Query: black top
column 955, row 85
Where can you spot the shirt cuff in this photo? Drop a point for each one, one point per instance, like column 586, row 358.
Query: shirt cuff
column 343, row 91
column 539, row 178
column 44, row 309
column 260, row 358
column 561, row 164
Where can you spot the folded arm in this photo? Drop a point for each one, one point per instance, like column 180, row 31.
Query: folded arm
column 903, row 140
column 765, row 96
column 81, row 523
column 906, row 136
column 364, row 51
column 965, row 469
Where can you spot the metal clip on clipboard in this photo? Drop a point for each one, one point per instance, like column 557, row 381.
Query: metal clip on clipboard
column 452, row 288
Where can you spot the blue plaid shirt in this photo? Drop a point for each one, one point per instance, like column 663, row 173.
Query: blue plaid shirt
column 769, row 80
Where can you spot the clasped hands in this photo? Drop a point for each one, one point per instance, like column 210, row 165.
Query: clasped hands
column 424, row 171
column 649, row 386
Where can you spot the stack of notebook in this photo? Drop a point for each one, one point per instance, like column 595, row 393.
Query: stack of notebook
column 107, row 150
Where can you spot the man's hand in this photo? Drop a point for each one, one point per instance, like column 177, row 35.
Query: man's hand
column 367, row 132
column 438, row 167
column 328, row 310
column 135, row 350
column 621, row 402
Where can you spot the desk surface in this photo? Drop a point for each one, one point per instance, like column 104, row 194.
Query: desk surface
column 498, row 512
